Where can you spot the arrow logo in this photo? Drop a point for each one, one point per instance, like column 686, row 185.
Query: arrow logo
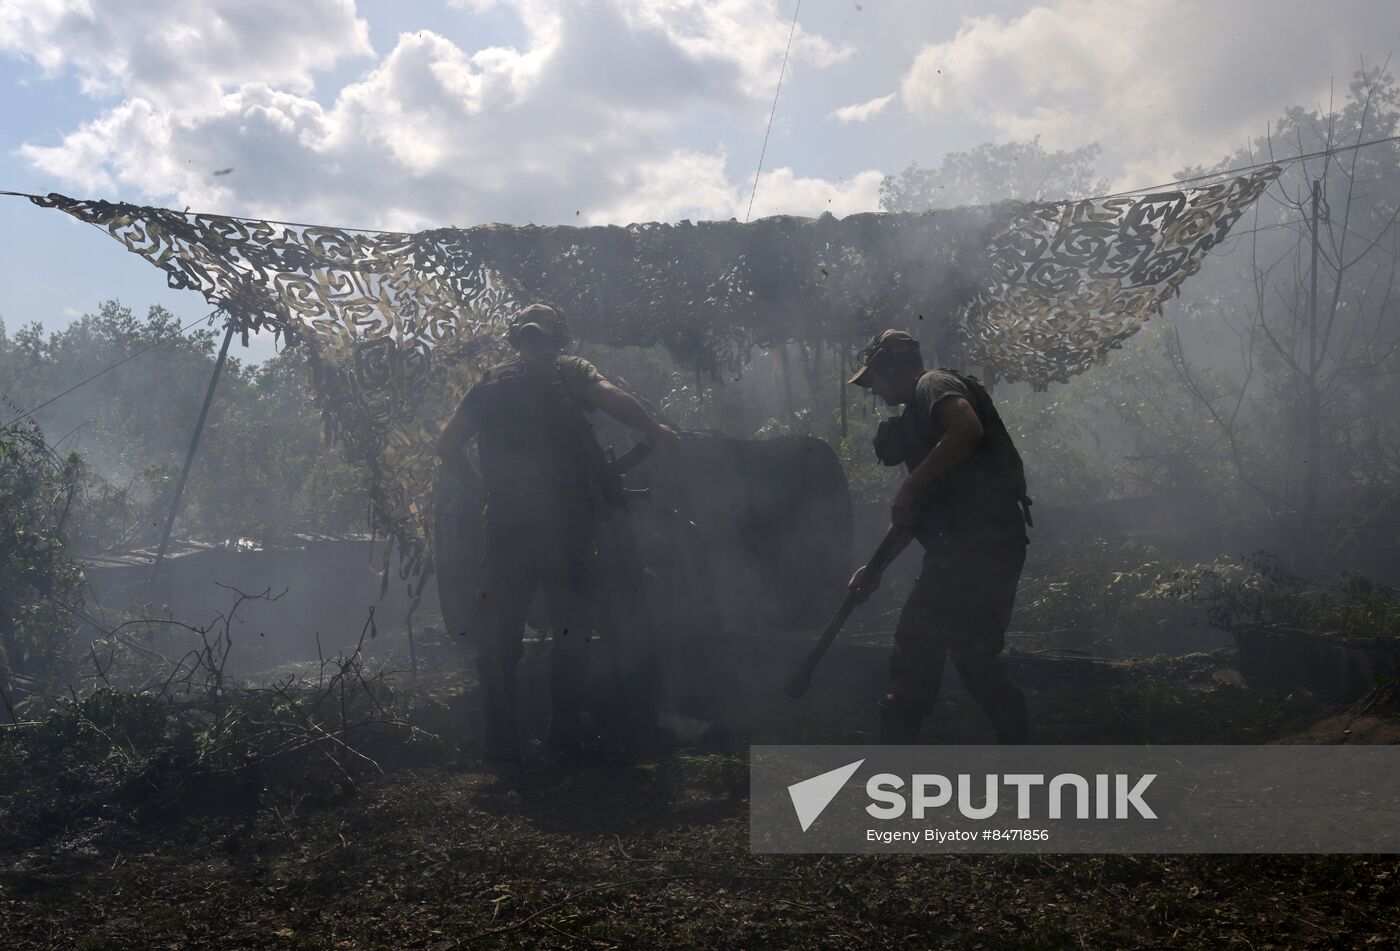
column 811, row 796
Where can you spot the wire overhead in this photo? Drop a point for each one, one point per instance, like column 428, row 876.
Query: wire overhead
column 772, row 112
column 105, row 370
column 1292, row 160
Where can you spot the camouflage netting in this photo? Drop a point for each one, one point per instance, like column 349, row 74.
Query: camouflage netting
column 398, row 325
column 1073, row 280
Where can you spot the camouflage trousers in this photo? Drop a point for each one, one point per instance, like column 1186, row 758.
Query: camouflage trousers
column 960, row 607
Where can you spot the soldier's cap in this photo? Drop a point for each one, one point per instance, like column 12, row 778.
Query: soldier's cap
column 538, row 318
column 886, row 343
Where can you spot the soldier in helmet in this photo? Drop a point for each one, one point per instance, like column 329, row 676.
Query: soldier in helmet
column 538, row 476
column 964, row 501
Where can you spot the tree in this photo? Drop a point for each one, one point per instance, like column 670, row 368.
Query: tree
column 1316, row 329
column 39, row 582
column 1019, row 171
column 262, row 470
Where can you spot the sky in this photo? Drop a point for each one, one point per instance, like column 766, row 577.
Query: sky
column 407, row 114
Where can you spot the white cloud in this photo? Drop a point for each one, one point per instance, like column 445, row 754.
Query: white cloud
column 183, row 55
column 741, row 40
column 694, row 185
column 684, row 184
column 781, row 191
column 748, row 35
column 863, row 111
column 578, row 125
column 1160, row 86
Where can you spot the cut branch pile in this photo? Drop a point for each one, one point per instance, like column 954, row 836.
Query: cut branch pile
column 157, row 736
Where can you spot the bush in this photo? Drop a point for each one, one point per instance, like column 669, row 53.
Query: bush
column 39, row 581
column 1259, row 590
column 157, row 754
column 1100, row 596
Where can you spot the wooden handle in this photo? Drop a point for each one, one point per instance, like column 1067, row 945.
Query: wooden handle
column 801, row 678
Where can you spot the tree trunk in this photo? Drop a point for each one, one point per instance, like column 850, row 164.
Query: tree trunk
column 1306, row 545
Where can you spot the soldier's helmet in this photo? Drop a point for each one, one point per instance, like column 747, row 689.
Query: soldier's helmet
column 538, row 319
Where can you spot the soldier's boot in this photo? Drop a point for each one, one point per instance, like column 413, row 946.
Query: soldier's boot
column 568, row 690
column 500, row 736
column 897, row 726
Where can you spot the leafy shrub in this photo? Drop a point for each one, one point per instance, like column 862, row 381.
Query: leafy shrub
column 1259, row 590
column 38, row 577
column 1098, row 595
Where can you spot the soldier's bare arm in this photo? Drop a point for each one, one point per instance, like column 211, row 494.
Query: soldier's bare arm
column 621, row 406
column 962, row 433
column 452, row 448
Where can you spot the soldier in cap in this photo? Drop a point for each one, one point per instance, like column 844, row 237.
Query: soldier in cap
column 538, row 476
column 964, row 501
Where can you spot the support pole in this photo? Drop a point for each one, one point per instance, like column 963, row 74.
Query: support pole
column 194, row 445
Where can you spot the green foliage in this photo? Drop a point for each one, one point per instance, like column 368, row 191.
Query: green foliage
column 107, row 721
column 1126, row 429
column 124, row 419
column 1125, row 598
column 992, row 172
column 262, row 471
column 1260, row 591
column 152, row 756
column 37, row 573
column 1098, row 595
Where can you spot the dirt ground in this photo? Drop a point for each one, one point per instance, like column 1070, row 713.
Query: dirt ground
column 643, row 857
column 655, row 854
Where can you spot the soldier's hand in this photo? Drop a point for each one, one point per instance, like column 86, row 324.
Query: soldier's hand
column 667, row 437
column 864, row 583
